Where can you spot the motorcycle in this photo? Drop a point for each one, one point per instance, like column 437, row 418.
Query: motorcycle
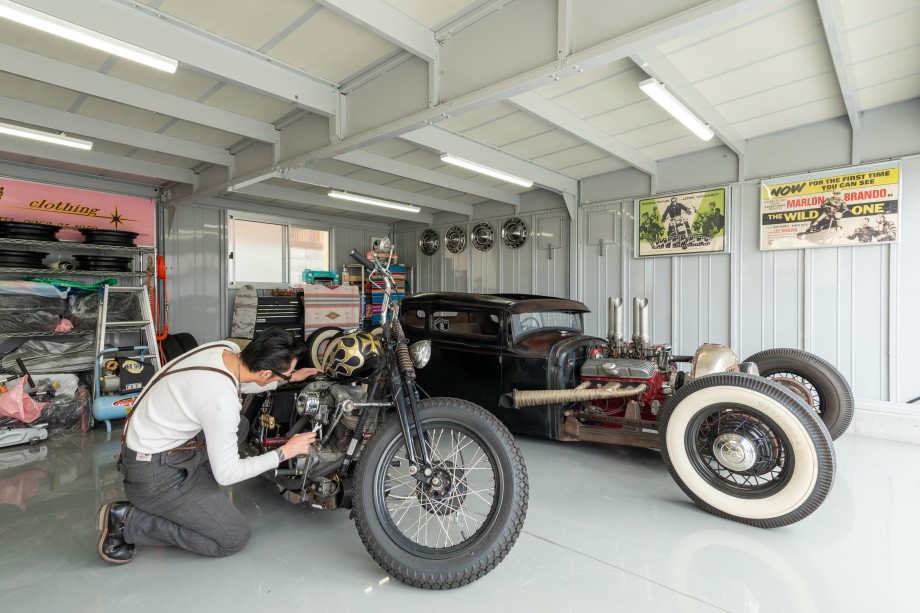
column 437, row 487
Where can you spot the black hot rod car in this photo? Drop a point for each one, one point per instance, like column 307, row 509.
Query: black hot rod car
column 748, row 441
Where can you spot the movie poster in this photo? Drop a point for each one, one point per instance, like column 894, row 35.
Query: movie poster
column 853, row 206
column 682, row 224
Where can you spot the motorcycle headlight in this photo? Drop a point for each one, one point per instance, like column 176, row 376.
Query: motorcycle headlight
column 420, row 352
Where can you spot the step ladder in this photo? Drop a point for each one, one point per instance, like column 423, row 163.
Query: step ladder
column 106, row 405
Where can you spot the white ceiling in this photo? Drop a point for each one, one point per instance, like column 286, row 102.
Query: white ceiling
column 277, row 102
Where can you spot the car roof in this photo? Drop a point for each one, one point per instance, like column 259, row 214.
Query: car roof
column 513, row 303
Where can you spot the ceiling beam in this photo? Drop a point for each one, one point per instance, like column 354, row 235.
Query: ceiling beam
column 26, row 112
column 476, row 11
column 690, row 21
column 195, row 48
column 833, row 32
column 94, row 159
column 693, row 20
column 445, row 141
column 416, row 173
column 388, row 23
column 659, row 67
column 41, row 68
column 323, row 179
column 80, row 180
column 566, row 121
column 313, row 199
column 290, row 211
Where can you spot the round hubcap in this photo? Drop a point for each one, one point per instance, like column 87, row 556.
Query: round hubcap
column 734, row 451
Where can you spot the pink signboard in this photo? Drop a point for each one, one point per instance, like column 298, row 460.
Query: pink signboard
column 77, row 208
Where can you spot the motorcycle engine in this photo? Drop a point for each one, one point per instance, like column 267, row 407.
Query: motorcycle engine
column 327, row 404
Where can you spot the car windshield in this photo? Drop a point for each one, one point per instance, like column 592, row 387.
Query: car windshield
column 525, row 323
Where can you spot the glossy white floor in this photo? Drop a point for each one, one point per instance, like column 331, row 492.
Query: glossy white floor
column 607, row 530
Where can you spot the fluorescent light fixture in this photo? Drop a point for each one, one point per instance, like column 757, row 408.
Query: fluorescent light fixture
column 78, row 34
column 46, row 137
column 656, row 91
column 452, row 159
column 375, row 202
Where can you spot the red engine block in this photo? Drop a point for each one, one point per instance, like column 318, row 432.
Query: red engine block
column 616, row 407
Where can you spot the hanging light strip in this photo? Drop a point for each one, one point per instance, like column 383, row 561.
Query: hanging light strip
column 45, row 137
column 84, row 36
column 504, row 176
column 657, row 92
column 374, row 201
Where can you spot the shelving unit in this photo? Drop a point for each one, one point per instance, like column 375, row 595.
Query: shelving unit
column 354, row 274
column 61, row 250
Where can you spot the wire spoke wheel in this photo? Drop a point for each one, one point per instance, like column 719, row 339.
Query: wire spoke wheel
column 821, row 386
column 801, row 387
column 739, row 451
column 747, row 448
column 457, row 502
column 462, row 520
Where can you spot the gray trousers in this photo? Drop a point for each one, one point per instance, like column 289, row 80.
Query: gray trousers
column 176, row 502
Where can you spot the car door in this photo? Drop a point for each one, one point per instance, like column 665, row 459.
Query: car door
column 465, row 355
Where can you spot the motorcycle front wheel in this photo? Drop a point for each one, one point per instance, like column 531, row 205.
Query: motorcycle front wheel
column 459, row 526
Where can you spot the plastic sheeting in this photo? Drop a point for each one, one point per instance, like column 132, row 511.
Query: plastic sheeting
column 42, row 356
column 9, row 287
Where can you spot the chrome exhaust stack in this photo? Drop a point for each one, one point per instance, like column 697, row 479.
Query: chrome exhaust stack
column 615, row 323
column 640, row 321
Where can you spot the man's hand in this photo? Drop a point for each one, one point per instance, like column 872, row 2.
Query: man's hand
column 303, row 373
column 298, row 445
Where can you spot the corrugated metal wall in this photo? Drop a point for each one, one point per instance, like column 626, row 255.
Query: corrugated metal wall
column 194, row 249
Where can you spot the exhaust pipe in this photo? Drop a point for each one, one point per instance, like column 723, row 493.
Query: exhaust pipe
column 615, row 321
column 640, row 321
column 518, row 399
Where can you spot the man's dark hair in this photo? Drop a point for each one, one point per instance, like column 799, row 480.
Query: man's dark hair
column 273, row 349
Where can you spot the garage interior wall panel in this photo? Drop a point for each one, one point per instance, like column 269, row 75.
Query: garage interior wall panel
column 346, row 238
column 602, row 270
column 551, row 253
column 193, row 249
column 484, row 271
column 457, row 271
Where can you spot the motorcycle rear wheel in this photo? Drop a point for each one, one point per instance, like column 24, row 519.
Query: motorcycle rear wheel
column 458, row 528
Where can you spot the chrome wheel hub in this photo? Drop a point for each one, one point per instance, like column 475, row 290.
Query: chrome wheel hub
column 734, row 452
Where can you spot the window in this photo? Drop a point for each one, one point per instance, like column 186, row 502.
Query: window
column 414, row 320
column 482, row 324
column 266, row 253
column 525, row 323
column 309, row 251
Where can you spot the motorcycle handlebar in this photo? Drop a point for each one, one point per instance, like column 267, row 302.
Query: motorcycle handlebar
column 358, row 257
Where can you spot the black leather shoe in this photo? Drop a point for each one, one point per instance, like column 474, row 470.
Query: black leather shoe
column 112, row 546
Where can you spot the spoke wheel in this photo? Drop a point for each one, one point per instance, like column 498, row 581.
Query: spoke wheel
column 739, row 451
column 747, row 449
column 454, row 506
column 814, row 380
column 459, row 525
